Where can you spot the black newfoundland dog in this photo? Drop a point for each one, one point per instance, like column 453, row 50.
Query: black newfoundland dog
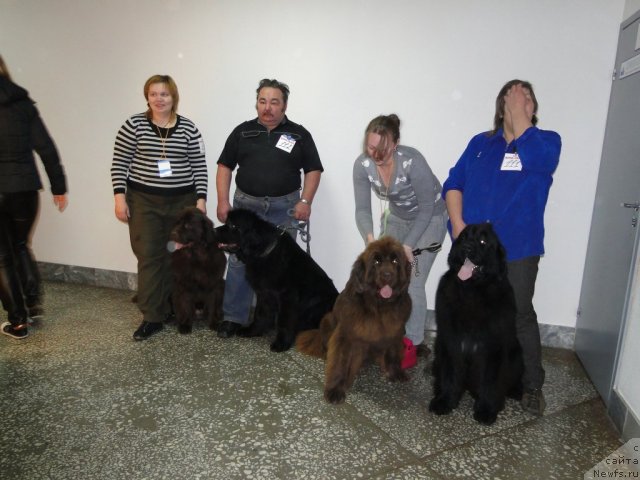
column 367, row 321
column 476, row 348
column 292, row 292
column 198, row 267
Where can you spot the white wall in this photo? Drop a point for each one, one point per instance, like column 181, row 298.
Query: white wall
column 438, row 65
column 630, row 7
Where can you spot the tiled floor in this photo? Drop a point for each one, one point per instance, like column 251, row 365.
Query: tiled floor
column 81, row 400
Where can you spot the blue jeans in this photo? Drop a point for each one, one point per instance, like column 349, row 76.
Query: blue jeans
column 435, row 232
column 238, row 294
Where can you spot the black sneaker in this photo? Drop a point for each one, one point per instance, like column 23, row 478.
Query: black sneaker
column 18, row 332
column 423, row 350
column 533, row 402
column 36, row 312
column 146, row 329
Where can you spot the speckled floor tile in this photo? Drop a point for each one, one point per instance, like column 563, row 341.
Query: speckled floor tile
column 82, row 400
column 563, row 445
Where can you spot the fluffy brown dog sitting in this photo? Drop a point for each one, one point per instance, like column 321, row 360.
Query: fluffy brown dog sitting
column 367, row 321
column 198, row 267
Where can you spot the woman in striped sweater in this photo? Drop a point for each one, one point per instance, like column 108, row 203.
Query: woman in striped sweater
column 159, row 167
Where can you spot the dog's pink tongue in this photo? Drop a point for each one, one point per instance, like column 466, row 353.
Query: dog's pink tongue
column 466, row 270
column 386, row 291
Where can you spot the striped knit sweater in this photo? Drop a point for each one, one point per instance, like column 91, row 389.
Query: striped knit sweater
column 139, row 148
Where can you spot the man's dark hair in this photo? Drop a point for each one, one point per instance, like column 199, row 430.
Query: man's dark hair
column 273, row 83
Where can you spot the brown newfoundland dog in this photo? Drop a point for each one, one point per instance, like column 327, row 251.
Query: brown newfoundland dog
column 198, row 267
column 367, row 321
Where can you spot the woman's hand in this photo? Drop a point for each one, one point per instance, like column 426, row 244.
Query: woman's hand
column 201, row 205
column 60, row 201
column 408, row 251
column 456, row 228
column 122, row 209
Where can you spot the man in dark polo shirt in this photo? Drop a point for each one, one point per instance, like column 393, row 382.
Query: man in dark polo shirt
column 269, row 151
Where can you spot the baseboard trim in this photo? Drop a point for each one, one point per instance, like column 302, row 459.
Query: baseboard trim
column 550, row 335
column 88, row 276
column 623, row 418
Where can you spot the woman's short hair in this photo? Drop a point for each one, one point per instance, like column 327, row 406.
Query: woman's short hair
column 273, row 83
column 171, row 85
column 498, row 119
column 388, row 127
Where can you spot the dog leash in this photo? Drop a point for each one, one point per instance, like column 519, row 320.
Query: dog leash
column 433, row 248
column 302, row 227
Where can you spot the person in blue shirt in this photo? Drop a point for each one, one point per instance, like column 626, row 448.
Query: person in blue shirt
column 503, row 177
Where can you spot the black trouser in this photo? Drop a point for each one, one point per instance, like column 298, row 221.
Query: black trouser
column 522, row 275
column 19, row 275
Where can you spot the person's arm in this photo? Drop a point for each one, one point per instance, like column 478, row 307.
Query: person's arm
column 362, row 198
column 45, row 147
column 423, row 182
column 453, row 200
column 123, row 152
column 302, row 210
column 198, row 161
column 223, row 186
column 539, row 150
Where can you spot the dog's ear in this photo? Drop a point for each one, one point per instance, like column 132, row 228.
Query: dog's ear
column 358, row 274
column 457, row 254
column 501, row 258
column 208, row 234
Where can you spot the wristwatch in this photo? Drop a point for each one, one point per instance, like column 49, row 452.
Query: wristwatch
column 304, row 200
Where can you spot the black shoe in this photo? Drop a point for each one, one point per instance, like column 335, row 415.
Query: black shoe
column 19, row 332
column 35, row 312
column 533, row 402
column 423, row 350
column 146, row 329
column 228, row 329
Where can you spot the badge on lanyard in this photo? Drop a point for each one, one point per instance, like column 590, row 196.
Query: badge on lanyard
column 511, row 162
column 164, row 167
column 286, row 143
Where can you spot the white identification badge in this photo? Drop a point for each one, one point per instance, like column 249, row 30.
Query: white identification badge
column 511, row 161
column 286, row 143
column 164, row 167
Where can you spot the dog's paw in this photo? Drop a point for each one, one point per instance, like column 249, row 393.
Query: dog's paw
column 486, row 417
column 184, row 328
column 281, row 345
column 335, row 396
column 440, row 406
column 398, row 375
column 249, row 332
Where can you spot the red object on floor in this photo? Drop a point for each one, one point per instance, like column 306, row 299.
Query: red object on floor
column 410, row 357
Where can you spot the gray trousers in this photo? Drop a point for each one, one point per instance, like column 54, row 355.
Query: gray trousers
column 522, row 275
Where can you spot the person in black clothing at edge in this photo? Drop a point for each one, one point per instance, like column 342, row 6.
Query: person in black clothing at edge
column 21, row 132
column 270, row 151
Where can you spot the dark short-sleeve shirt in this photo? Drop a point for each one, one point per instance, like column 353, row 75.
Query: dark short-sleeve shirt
column 264, row 168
